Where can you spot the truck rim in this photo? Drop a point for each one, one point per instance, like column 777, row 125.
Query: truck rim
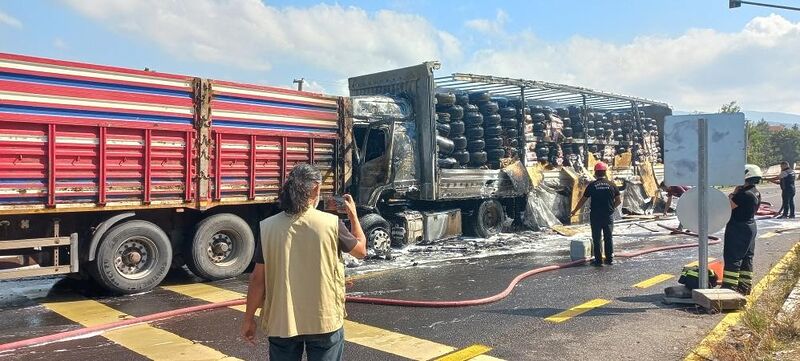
column 136, row 257
column 380, row 238
column 220, row 249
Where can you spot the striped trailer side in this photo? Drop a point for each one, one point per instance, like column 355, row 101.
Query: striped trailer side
column 261, row 132
column 77, row 136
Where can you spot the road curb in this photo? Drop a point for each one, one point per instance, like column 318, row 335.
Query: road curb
column 703, row 349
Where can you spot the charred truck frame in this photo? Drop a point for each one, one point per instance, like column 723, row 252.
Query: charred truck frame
column 121, row 174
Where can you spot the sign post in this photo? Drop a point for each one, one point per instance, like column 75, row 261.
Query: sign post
column 702, row 185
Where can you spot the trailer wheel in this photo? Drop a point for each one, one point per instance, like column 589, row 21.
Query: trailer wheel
column 486, row 220
column 134, row 256
column 379, row 235
column 222, row 247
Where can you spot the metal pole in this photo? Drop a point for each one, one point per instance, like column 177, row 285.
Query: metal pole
column 702, row 183
column 770, row 5
column 299, row 83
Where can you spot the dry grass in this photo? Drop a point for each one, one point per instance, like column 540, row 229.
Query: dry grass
column 759, row 335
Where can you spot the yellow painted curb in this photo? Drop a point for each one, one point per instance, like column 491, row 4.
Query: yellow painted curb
column 703, row 350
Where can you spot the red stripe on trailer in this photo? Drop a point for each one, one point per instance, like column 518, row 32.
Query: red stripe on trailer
column 218, row 166
column 96, row 108
column 99, row 80
column 275, row 99
column 294, row 133
column 70, row 120
column 94, row 94
column 252, row 172
column 275, row 110
column 88, row 66
column 272, row 89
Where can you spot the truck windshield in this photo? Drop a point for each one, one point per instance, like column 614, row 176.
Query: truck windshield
column 375, row 145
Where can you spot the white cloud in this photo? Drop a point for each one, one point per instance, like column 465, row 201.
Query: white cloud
column 250, row 34
column 699, row 70
column 59, row 43
column 488, row 26
column 9, row 20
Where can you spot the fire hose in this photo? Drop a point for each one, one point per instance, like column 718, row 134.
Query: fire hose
column 354, row 299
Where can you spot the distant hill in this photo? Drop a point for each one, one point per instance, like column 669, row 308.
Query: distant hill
column 772, row 117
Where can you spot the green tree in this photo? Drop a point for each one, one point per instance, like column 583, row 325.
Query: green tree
column 732, row 107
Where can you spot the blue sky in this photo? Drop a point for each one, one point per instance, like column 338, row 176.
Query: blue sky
column 694, row 54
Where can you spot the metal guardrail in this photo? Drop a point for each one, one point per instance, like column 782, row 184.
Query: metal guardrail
column 543, row 92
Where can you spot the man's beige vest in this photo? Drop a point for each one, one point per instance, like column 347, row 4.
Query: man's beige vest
column 304, row 274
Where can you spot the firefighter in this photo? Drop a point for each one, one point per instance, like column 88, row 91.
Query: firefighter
column 740, row 233
column 605, row 199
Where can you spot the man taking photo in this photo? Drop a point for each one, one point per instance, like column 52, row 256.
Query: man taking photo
column 301, row 271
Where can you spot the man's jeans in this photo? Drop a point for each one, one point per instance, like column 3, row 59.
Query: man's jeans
column 322, row 347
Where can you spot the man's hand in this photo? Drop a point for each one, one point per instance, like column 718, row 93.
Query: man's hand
column 350, row 205
column 249, row 330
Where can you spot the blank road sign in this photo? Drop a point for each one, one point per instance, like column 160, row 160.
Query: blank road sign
column 726, row 149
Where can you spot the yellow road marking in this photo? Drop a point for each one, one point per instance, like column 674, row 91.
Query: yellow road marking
column 146, row 340
column 768, row 235
column 697, row 263
column 577, row 310
column 368, row 336
column 467, row 353
column 653, row 281
column 703, row 349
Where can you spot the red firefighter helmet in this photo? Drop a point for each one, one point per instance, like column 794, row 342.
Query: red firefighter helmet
column 600, row 166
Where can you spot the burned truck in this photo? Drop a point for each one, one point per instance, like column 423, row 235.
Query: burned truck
column 437, row 157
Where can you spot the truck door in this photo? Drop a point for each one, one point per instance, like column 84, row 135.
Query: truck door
column 373, row 170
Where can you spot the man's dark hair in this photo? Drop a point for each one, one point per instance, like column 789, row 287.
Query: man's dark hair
column 599, row 174
column 295, row 193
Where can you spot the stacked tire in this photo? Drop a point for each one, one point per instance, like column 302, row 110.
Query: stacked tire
column 479, row 103
column 445, row 109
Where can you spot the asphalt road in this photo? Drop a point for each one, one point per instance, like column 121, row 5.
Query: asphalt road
column 622, row 322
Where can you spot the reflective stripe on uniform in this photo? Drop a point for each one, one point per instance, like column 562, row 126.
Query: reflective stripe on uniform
column 746, row 274
column 731, row 273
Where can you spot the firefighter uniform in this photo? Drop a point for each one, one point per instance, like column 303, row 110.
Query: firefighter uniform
column 740, row 237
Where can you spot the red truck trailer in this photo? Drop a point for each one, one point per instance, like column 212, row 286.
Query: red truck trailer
column 121, row 174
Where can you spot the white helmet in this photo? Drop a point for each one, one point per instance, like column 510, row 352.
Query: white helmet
column 752, row 171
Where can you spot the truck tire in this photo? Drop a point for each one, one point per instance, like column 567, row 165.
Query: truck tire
column 461, row 156
column 478, row 97
column 459, row 143
column 495, row 154
column 462, row 99
column 133, row 256
column 445, row 98
column 494, row 142
column 489, row 108
column 509, row 123
column 473, row 118
column 477, row 158
column 486, row 220
column 445, row 145
column 538, row 117
column 512, row 133
column 456, row 112
column 508, row 112
column 443, row 118
column 443, row 129
column 494, row 131
column 379, row 235
column 471, row 108
column 446, row 163
column 474, row 133
column 476, row 145
column 222, row 247
column 491, row 120
column 456, row 128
